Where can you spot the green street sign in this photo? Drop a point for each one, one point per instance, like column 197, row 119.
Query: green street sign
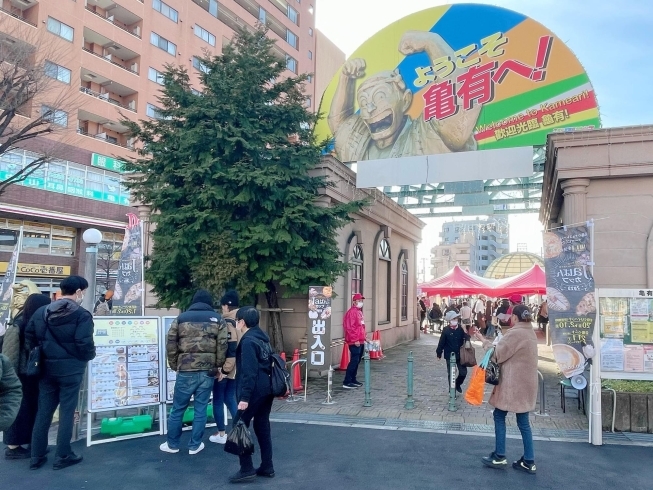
column 107, row 163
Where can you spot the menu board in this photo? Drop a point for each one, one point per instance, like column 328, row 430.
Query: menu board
column 126, row 368
column 626, row 333
column 171, row 376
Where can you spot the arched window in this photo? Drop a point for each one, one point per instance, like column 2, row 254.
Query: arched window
column 404, row 290
column 384, row 276
column 357, row 270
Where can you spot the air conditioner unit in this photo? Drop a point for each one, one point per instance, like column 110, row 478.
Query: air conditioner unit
column 101, row 136
column 136, row 30
column 110, row 18
column 104, row 96
column 108, row 57
column 132, row 105
column 134, row 67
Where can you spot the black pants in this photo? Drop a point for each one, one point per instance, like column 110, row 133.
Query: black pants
column 355, row 356
column 259, row 410
column 20, row 432
column 56, row 391
column 462, row 374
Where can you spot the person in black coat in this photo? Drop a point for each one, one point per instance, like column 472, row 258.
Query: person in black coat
column 65, row 332
column 20, row 432
column 254, row 391
column 452, row 339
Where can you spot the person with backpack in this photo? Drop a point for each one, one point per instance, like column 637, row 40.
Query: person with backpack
column 63, row 331
column 197, row 349
column 224, row 390
column 254, row 391
column 20, row 432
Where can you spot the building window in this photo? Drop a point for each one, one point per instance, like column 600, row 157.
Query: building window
column 292, row 15
column 262, row 15
column 310, row 55
column 311, row 10
column 204, row 35
column 163, row 43
column 155, row 75
column 166, row 10
column 153, row 111
column 57, row 72
column 291, row 63
column 195, row 92
column 404, row 290
column 42, row 238
column 310, row 31
column 291, row 38
column 211, row 6
column 357, row 270
column 60, row 118
column 309, row 79
column 108, row 259
column 198, row 65
column 445, row 252
column 309, row 101
column 60, row 29
column 384, row 286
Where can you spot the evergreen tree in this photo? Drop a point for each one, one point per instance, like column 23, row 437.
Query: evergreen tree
column 226, row 173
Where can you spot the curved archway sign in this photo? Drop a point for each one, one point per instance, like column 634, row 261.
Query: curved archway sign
column 454, row 93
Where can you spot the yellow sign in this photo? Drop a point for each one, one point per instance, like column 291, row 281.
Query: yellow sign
column 38, row 270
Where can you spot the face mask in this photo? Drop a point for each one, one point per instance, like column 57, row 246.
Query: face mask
column 453, row 323
column 359, row 304
column 79, row 299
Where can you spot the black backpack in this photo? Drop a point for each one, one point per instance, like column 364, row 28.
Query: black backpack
column 279, row 375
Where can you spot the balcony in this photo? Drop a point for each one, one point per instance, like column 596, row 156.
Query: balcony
column 100, row 87
column 101, row 128
column 285, row 8
column 116, row 15
column 265, row 18
column 112, row 52
column 23, row 10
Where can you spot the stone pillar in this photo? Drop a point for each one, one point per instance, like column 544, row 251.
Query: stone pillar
column 575, row 200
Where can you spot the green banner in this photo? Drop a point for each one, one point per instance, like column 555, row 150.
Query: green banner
column 107, row 163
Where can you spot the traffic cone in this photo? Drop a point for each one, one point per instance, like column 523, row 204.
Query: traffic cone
column 344, row 359
column 296, row 374
column 375, row 355
column 283, row 356
column 378, row 337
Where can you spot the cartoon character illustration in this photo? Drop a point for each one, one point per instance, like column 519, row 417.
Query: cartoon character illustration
column 383, row 128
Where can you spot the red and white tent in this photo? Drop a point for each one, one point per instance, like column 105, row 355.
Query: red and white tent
column 458, row 282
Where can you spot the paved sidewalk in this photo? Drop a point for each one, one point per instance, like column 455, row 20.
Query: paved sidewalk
column 388, row 381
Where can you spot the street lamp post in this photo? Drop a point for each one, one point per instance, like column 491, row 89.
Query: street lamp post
column 91, row 237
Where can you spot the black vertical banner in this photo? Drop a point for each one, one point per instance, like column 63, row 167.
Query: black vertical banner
column 570, row 295
column 129, row 284
column 6, row 288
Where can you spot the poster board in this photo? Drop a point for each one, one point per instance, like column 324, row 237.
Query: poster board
column 626, row 333
column 126, row 371
column 169, row 376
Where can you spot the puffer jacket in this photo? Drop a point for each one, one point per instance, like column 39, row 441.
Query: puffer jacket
column 253, row 366
column 11, row 345
column 66, row 337
column 197, row 340
column 11, row 394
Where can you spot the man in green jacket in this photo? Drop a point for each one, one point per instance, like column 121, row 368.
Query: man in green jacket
column 11, row 393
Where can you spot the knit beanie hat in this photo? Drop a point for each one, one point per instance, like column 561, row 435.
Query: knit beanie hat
column 230, row 298
column 203, row 296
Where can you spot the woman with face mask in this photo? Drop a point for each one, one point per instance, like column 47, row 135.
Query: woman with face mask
column 65, row 332
column 452, row 339
column 516, row 392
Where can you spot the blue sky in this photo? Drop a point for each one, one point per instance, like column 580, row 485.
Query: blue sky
column 612, row 39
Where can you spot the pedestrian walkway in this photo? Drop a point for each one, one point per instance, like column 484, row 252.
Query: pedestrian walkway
column 431, row 394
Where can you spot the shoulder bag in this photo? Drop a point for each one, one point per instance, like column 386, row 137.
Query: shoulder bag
column 467, row 354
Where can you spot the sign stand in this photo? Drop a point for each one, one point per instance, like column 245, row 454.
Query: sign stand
column 329, row 399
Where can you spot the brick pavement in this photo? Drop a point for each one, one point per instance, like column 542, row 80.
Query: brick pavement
column 388, row 382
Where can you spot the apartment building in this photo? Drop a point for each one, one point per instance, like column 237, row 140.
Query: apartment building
column 485, row 240
column 109, row 58
column 445, row 257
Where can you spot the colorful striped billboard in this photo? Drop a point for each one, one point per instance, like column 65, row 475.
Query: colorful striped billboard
column 455, row 78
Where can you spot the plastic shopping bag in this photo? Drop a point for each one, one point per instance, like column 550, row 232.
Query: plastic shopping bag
column 239, row 440
column 476, row 388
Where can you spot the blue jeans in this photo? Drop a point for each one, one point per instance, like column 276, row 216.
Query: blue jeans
column 500, row 433
column 224, row 393
column 355, row 355
column 197, row 384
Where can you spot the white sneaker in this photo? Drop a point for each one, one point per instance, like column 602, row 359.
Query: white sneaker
column 167, row 449
column 195, row 451
column 218, row 439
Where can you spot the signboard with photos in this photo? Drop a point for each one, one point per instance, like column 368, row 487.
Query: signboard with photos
column 319, row 326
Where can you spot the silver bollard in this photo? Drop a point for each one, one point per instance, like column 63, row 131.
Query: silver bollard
column 542, row 411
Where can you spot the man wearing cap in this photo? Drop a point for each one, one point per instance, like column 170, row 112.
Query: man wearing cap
column 354, row 327
column 452, row 339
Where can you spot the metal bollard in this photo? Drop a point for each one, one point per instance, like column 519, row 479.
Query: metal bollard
column 410, row 403
column 542, row 396
column 368, row 389
column 329, row 398
column 452, row 382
